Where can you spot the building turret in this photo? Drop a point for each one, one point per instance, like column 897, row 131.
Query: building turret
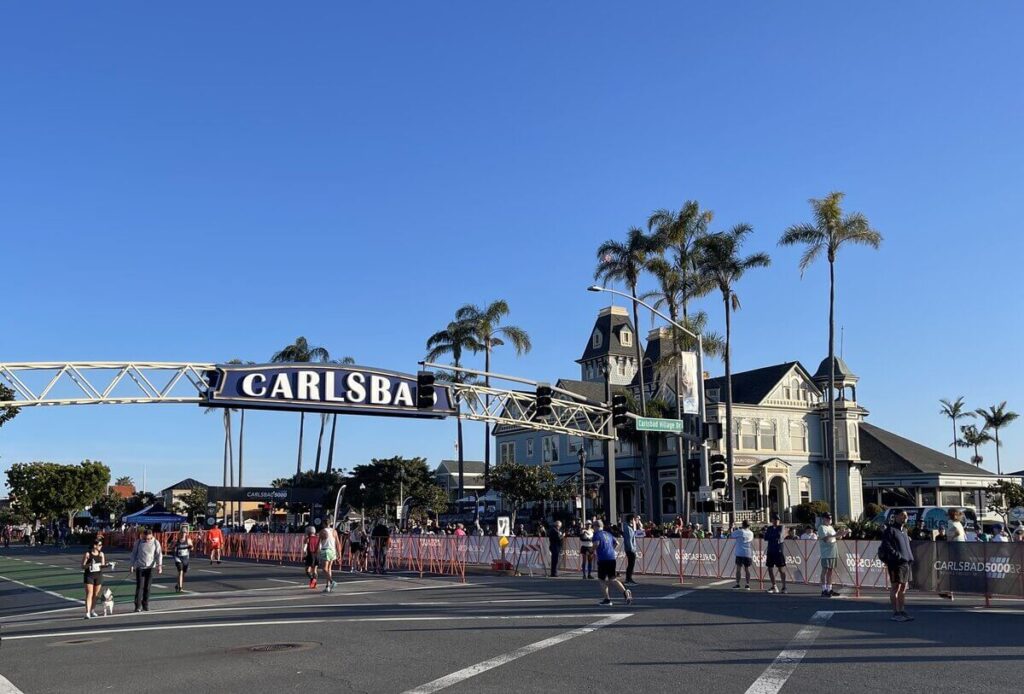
column 610, row 349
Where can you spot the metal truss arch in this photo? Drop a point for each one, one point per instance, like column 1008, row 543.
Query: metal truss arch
column 105, row 382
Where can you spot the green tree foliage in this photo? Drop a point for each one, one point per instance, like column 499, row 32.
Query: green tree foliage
column 330, row 482
column 519, row 484
column 51, row 490
column 109, row 503
column 7, row 412
column 193, row 504
column 385, row 480
column 125, row 481
column 1002, row 496
column 138, row 501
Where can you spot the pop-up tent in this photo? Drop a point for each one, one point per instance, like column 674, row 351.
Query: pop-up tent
column 154, row 514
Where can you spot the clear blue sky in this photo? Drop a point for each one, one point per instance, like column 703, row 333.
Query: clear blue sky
column 209, row 181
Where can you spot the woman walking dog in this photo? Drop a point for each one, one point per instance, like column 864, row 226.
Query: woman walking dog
column 92, row 565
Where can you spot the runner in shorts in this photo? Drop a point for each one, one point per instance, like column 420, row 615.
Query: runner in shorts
column 328, row 554
column 604, row 546
column 587, row 550
column 182, row 551
column 215, row 537
column 92, row 566
column 357, row 547
column 775, row 555
column 310, row 550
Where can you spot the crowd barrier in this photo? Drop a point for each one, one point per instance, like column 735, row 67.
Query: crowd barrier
column 422, row 554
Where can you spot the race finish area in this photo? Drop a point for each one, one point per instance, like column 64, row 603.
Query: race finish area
column 245, row 626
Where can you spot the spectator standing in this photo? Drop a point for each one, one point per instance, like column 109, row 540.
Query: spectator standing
column 775, row 556
column 894, row 551
column 629, row 546
column 587, row 550
column 744, row 539
column 460, row 530
column 828, row 550
column 92, row 568
column 147, row 554
column 380, row 536
column 998, row 534
column 555, row 539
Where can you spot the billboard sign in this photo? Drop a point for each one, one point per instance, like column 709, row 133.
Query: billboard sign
column 330, row 388
column 282, row 495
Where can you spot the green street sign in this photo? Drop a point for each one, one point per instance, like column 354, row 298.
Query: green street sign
column 657, row 424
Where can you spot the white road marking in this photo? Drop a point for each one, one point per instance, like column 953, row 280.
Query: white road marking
column 210, row 571
column 293, row 583
column 772, row 679
column 498, row 661
column 7, row 687
column 673, row 596
column 48, row 592
column 275, row 622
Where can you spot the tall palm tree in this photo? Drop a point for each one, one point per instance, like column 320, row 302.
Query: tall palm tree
column 456, row 338
column 997, row 417
column 679, row 233
column 487, row 328
column 954, row 410
column 299, row 352
column 334, row 425
column 973, row 437
column 625, row 262
column 830, row 231
column 721, row 263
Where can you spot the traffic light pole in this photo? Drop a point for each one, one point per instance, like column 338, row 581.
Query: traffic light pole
column 613, row 493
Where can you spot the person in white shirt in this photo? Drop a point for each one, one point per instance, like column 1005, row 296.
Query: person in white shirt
column 744, row 551
column 829, row 553
column 955, row 528
column 998, row 535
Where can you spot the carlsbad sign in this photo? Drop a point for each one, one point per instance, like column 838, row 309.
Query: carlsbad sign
column 326, row 388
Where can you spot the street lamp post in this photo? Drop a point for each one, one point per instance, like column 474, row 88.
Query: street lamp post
column 701, row 406
column 362, row 505
column 582, row 455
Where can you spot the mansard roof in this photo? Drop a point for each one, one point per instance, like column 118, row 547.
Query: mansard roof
column 610, row 322
column 752, row 387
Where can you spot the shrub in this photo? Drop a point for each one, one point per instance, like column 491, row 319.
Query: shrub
column 806, row 512
column 871, row 511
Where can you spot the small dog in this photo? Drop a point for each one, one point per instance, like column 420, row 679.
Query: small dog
column 108, row 602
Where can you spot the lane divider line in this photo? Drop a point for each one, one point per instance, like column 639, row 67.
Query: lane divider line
column 772, row 679
column 42, row 590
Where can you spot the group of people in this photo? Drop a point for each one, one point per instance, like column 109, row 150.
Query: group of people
column 321, row 549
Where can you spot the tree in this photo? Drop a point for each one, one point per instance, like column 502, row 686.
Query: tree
column 955, row 410
column 455, row 339
column 997, row 417
column 680, row 233
column 519, row 484
column 194, row 502
column 124, row 481
column 139, row 501
column 830, row 231
column 624, row 262
column 973, row 437
column 485, row 324
column 387, row 482
column 334, row 426
column 1003, row 496
column 7, row 412
column 300, row 352
column 109, row 507
column 52, row 490
column 429, row 500
column 721, row 263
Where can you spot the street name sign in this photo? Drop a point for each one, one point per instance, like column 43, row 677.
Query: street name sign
column 675, row 426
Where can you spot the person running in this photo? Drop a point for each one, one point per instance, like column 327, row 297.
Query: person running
column 587, row 550
column 216, row 539
column 775, row 555
column 328, row 554
column 604, row 546
column 381, row 538
column 629, row 546
column 357, row 547
column 310, row 554
column 828, row 550
column 894, row 551
column 92, row 566
column 744, row 538
column 147, row 554
column 182, row 551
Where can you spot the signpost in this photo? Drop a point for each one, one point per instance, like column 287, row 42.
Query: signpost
column 1017, row 514
column 704, row 492
column 504, row 526
column 672, row 426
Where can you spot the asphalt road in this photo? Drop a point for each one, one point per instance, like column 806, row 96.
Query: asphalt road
column 257, row 627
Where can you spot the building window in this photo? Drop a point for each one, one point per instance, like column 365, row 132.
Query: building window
column 529, row 448
column 597, row 340
column 840, row 440
column 928, row 497
column 853, row 437
column 949, row 498
column 768, row 436
column 805, row 490
column 575, row 444
column 712, row 394
column 549, row 445
column 747, row 436
column 626, row 338
column 622, row 366
column 507, row 452
column 798, row 436
column 668, row 498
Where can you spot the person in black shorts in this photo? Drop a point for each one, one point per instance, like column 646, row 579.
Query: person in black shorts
column 775, row 554
column 92, row 566
column 604, row 547
column 310, row 553
column 182, row 551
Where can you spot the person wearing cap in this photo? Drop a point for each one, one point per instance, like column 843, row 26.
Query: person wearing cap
column 146, row 556
column 998, row 534
column 587, row 550
column 744, row 538
column 775, row 556
column 828, row 550
column 310, row 552
column 895, row 552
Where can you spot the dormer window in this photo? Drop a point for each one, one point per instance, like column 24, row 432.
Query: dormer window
column 597, row 340
column 626, row 338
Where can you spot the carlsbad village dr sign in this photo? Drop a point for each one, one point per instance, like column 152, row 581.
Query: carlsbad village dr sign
column 322, row 388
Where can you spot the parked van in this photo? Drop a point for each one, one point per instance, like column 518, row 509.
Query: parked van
column 934, row 517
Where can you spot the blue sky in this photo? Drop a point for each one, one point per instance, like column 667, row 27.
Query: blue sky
column 206, row 182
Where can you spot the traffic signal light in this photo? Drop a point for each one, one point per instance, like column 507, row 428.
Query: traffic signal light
column 693, row 475
column 718, row 472
column 424, row 390
column 711, row 431
column 543, row 406
column 618, row 410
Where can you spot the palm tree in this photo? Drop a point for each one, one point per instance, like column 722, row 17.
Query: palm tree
column 300, row 351
column 680, row 232
column 485, row 323
column 125, row 481
column 624, row 262
column 973, row 437
column 721, row 263
column 829, row 232
column 457, row 337
column 334, row 425
column 996, row 417
column 955, row 410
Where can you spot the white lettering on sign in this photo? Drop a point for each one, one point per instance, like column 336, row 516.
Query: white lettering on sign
column 329, row 395
column 356, row 385
column 307, row 385
column 248, row 385
column 380, row 390
column 282, row 387
column 403, row 395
